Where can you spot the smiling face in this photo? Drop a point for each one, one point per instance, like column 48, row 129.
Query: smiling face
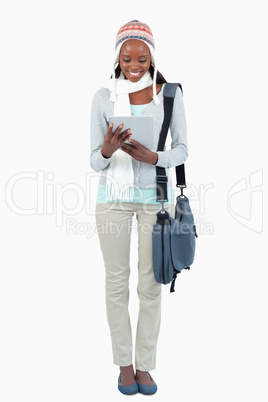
column 134, row 59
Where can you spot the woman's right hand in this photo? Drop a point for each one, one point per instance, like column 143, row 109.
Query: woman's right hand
column 113, row 141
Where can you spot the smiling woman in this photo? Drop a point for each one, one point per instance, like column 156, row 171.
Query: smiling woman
column 134, row 59
column 127, row 186
column 132, row 46
column 135, row 62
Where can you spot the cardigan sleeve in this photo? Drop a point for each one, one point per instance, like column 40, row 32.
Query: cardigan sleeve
column 98, row 129
column 178, row 153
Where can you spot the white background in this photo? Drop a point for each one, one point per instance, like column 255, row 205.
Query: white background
column 55, row 343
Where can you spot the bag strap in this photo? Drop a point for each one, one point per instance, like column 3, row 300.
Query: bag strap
column 161, row 177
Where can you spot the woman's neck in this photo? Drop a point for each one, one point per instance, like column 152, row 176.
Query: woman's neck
column 144, row 96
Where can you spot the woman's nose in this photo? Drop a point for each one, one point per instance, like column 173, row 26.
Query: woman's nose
column 134, row 65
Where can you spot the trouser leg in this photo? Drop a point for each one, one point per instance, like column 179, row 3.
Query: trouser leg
column 114, row 231
column 149, row 291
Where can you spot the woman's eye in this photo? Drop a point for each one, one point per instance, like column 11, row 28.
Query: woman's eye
column 127, row 61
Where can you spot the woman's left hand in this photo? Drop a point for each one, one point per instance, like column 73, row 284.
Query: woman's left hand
column 139, row 152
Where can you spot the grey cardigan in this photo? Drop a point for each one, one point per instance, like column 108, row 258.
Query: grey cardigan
column 144, row 173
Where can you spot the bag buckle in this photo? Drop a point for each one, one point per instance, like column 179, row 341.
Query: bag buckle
column 161, row 178
column 181, row 187
column 161, row 181
column 162, row 207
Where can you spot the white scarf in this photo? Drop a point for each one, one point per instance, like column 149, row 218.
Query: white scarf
column 120, row 180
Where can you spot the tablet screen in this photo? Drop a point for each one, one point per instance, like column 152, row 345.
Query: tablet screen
column 141, row 128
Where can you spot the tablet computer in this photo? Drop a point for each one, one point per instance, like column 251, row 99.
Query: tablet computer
column 141, row 128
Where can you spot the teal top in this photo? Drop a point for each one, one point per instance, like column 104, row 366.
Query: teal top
column 137, row 110
column 141, row 195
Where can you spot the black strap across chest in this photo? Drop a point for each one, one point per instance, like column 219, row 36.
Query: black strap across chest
column 161, row 177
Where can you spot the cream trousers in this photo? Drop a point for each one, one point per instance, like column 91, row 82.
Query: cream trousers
column 114, row 222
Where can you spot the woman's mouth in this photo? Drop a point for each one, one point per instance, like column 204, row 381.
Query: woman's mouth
column 134, row 75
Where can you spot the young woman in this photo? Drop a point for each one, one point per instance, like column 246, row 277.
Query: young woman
column 127, row 187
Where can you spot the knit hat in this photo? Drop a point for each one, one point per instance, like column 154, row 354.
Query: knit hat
column 135, row 30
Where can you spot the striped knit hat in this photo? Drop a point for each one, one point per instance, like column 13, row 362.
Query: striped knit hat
column 136, row 30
